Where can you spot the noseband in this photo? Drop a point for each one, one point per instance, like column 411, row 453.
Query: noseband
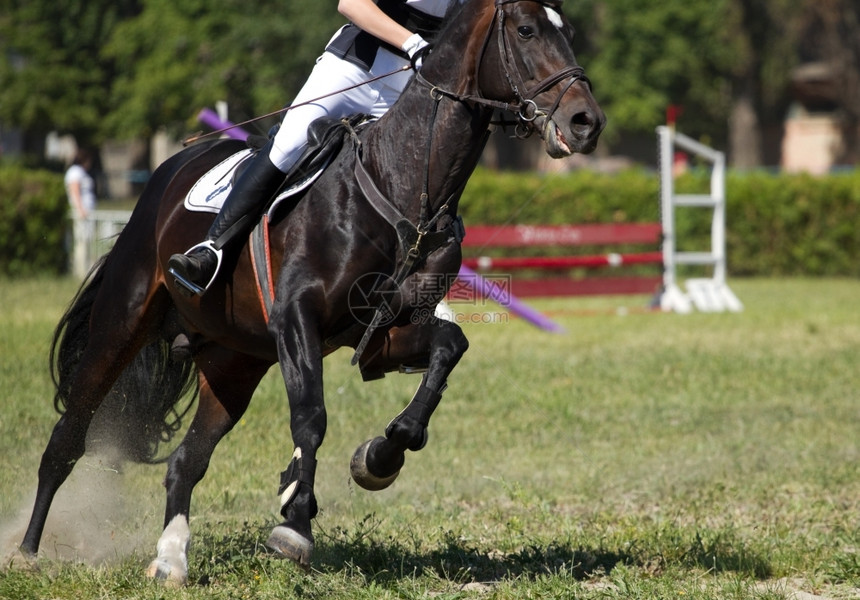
column 524, row 107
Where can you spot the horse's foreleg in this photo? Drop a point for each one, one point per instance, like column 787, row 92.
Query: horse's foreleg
column 300, row 357
column 438, row 344
column 227, row 382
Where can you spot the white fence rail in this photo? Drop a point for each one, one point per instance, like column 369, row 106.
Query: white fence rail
column 94, row 236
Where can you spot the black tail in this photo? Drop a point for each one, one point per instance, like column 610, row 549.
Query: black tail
column 141, row 411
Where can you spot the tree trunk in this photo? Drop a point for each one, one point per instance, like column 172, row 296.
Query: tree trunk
column 745, row 135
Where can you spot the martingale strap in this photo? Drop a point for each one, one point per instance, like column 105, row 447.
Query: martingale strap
column 417, row 241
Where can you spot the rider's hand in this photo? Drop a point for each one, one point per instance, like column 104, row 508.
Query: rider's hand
column 411, row 47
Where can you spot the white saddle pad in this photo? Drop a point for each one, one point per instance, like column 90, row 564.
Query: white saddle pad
column 210, row 191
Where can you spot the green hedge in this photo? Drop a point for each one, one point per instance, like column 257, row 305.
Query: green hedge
column 33, row 222
column 794, row 225
column 776, row 224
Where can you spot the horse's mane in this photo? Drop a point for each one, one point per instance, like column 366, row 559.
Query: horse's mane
column 455, row 24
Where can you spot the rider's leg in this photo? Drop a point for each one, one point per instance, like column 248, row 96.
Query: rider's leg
column 196, row 269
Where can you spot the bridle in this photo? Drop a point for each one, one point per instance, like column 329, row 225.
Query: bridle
column 524, row 107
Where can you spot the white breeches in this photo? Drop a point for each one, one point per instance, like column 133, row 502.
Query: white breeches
column 331, row 74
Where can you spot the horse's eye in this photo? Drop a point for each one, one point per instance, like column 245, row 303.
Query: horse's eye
column 525, row 32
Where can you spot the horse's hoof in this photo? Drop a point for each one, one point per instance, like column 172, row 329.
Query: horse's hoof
column 171, row 573
column 362, row 475
column 292, row 545
column 24, row 561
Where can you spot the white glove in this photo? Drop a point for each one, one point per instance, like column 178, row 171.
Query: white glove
column 413, row 44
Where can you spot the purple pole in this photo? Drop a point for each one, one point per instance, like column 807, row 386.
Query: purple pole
column 209, row 117
column 488, row 290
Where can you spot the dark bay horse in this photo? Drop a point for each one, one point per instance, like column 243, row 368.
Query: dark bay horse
column 357, row 263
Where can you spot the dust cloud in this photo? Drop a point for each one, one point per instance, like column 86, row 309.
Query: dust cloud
column 94, row 518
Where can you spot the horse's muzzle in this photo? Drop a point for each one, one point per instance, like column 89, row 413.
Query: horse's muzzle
column 586, row 127
column 581, row 136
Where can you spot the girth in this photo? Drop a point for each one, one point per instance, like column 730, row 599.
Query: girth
column 414, row 244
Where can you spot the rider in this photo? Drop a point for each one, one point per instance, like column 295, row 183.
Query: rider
column 383, row 35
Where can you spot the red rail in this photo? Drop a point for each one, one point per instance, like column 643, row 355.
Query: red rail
column 599, row 234
column 483, row 237
column 485, row 263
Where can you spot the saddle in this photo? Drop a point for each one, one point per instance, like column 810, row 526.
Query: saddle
column 325, row 140
column 326, row 136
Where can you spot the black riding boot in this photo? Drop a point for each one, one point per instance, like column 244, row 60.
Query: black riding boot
column 196, row 269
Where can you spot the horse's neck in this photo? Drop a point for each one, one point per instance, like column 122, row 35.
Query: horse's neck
column 424, row 124
column 451, row 135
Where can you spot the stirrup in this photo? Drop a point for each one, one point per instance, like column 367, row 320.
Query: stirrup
column 190, row 285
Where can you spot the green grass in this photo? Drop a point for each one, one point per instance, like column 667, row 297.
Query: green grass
column 707, row 456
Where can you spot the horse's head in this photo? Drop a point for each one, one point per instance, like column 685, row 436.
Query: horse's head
column 526, row 59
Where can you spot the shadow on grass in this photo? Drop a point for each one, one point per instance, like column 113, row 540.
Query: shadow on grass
column 366, row 554
column 462, row 563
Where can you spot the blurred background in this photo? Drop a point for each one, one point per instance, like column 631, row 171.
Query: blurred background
column 775, row 84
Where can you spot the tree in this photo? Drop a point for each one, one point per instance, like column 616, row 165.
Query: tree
column 126, row 68
column 833, row 31
column 181, row 56
column 763, row 35
column 52, row 76
column 643, row 58
column 726, row 62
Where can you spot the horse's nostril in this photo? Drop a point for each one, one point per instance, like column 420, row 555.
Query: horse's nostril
column 582, row 120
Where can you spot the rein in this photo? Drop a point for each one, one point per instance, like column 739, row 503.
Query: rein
column 201, row 136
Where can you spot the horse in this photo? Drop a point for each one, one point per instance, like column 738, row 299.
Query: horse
column 356, row 262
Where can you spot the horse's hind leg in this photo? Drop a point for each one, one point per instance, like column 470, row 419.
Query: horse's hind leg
column 109, row 348
column 436, row 344
column 227, row 382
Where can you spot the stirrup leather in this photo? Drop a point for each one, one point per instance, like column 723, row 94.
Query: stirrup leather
column 190, row 285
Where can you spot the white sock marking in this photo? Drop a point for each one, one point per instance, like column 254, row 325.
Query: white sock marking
column 174, row 540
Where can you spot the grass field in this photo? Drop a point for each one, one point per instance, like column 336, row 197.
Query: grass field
column 639, row 455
